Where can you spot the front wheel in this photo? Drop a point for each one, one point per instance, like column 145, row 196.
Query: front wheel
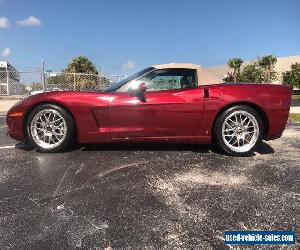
column 237, row 130
column 50, row 128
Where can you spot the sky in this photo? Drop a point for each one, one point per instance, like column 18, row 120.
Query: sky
column 123, row 36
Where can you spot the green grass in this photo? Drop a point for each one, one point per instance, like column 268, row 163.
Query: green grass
column 294, row 117
column 296, row 97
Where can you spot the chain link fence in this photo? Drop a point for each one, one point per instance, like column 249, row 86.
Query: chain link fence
column 21, row 83
column 75, row 81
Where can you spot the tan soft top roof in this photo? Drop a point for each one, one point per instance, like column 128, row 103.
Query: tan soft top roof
column 204, row 77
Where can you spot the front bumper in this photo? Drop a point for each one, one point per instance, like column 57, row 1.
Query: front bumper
column 14, row 122
column 15, row 128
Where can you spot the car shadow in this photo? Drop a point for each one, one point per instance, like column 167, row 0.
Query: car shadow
column 262, row 148
column 24, row 146
column 146, row 147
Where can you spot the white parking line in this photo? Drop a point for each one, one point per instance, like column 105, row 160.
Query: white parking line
column 6, row 147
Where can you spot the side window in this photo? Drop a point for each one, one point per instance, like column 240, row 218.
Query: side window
column 164, row 82
column 165, row 79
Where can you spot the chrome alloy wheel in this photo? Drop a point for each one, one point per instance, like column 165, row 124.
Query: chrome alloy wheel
column 240, row 131
column 48, row 128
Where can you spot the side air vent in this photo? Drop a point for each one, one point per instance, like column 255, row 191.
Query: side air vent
column 206, row 93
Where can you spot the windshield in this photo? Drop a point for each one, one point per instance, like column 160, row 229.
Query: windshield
column 117, row 85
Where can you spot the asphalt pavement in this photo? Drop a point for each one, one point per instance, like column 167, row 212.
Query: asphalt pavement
column 145, row 196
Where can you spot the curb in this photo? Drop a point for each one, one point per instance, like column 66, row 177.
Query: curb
column 7, row 98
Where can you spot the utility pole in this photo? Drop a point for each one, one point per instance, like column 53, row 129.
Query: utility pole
column 7, row 81
column 74, row 79
column 101, row 77
column 43, row 75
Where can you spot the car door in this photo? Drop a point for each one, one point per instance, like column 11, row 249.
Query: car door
column 173, row 106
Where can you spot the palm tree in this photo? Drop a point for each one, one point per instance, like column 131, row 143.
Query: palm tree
column 267, row 63
column 81, row 73
column 81, row 64
column 235, row 64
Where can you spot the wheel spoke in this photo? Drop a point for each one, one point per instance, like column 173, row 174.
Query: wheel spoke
column 51, row 138
column 243, row 122
column 232, row 122
column 229, row 125
column 56, row 120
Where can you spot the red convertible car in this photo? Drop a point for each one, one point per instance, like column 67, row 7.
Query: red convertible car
column 180, row 103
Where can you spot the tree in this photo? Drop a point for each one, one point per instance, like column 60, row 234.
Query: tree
column 267, row 65
column 235, row 64
column 260, row 71
column 292, row 77
column 81, row 64
column 228, row 78
column 251, row 73
column 81, row 73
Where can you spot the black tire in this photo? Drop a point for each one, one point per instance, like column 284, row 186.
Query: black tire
column 217, row 129
column 69, row 139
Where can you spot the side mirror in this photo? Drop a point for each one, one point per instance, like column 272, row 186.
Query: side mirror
column 142, row 87
column 139, row 91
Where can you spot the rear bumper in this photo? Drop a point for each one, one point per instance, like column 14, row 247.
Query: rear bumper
column 277, row 123
column 273, row 136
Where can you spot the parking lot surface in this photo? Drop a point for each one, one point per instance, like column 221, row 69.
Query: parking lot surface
column 145, row 196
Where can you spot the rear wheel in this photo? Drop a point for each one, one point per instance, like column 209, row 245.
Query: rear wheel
column 50, row 128
column 237, row 130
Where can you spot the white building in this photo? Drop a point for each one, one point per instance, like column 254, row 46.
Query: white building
column 283, row 64
column 9, row 79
